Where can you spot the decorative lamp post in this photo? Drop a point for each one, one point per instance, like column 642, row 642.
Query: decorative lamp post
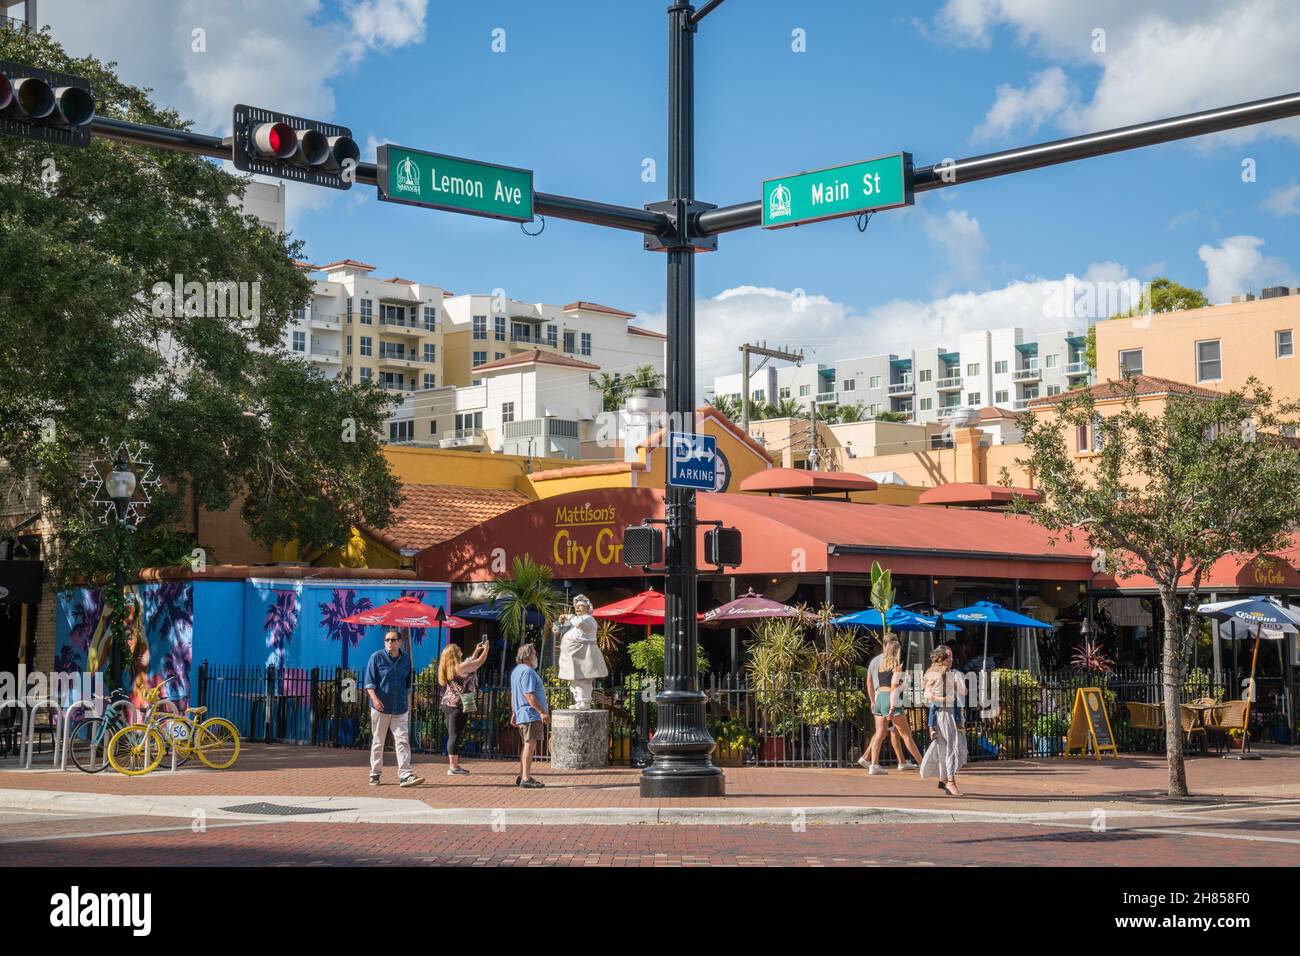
column 120, row 487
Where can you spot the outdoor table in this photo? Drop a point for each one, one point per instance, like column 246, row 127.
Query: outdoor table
column 1201, row 710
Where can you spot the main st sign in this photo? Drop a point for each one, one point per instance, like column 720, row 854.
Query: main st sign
column 868, row 186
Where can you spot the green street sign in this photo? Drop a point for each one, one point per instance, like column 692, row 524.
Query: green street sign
column 873, row 184
column 435, row 181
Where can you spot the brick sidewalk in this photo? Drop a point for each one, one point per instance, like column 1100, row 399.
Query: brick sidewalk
column 1020, row 786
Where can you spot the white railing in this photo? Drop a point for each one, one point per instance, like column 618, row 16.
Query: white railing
column 1077, row 368
column 1027, row 375
column 952, row 381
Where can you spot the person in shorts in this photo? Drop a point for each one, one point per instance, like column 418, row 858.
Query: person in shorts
column 529, row 711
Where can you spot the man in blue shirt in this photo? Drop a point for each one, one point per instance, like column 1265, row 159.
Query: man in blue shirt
column 529, row 711
column 388, row 684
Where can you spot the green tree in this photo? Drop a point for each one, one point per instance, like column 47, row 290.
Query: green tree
column 644, row 376
column 92, row 350
column 727, row 406
column 612, row 388
column 1161, row 295
column 1167, row 495
column 893, row 417
column 529, row 588
column 851, row 413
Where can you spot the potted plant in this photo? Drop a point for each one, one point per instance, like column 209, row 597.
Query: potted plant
column 1236, row 738
column 1049, row 734
column 734, row 742
column 779, row 661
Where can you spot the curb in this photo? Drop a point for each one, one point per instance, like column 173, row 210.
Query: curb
column 372, row 810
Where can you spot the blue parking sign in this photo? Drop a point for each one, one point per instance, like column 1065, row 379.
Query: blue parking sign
column 692, row 461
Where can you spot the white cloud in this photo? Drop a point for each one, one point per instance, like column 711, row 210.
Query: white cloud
column 1161, row 58
column 959, row 234
column 1048, row 94
column 1284, row 201
column 1237, row 265
column 283, row 55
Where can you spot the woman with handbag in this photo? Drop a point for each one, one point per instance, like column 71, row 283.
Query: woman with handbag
column 459, row 696
column 945, row 693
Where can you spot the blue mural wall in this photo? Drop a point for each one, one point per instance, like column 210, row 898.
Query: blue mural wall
column 173, row 626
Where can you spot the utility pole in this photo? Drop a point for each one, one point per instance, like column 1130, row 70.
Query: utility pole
column 813, row 457
column 745, row 351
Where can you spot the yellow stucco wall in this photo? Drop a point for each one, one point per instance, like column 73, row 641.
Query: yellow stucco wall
column 560, row 486
column 471, row 469
column 1246, row 332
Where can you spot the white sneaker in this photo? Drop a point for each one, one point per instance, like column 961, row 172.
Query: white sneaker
column 875, row 768
column 910, row 765
column 864, row 763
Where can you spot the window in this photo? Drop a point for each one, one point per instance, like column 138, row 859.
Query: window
column 784, row 392
column 499, row 327
column 468, row 420
column 1031, row 393
column 973, row 368
column 875, row 409
column 1130, row 362
column 850, row 385
column 1000, row 397
column 300, row 315
column 924, row 375
column 392, row 350
column 1081, row 438
column 873, row 381
column 433, row 426
column 805, row 391
column 1285, row 348
column 367, row 374
column 430, row 380
column 586, row 344
column 498, row 356
column 973, row 399
column 927, row 404
column 759, row 396
column 349, row 308
column 1098, row 439
column 551, row 335
column 430, row 317
column 391, row 314
column 401, row 431
column 430, row 352
column 1052, row 361
column 367, row 312
column 507, row 412
column 1209, row 368
column 480, row 358
column 480, row 327
column 367, row 346
column 569, row 342
column 349, row 345
column 1053, row 390
column 391, row 380
column 999, row 368
column 300, row 341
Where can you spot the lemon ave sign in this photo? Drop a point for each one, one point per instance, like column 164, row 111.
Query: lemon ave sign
column 867, row 186
column 436, row 181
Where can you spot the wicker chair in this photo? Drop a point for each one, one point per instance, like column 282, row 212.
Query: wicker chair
column 1187, row 717
column 1230, row 716
column 1147, row 717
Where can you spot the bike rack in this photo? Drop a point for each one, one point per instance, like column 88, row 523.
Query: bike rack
column 34, row 705
column 22, row 722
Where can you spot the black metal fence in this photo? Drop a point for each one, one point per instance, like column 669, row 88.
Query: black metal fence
column 793, row 722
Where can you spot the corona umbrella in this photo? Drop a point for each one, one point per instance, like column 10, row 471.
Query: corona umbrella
column 1262, row 612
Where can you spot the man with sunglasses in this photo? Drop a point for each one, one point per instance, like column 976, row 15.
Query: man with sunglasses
column 388, row 683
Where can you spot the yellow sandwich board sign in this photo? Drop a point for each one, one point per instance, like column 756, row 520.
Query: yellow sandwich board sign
column 1090, row 725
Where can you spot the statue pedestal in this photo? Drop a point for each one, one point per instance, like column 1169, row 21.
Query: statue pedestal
column 579, row 739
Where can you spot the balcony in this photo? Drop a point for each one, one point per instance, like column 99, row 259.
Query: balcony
column 827, row 398
column 1077, row 368
column 400, row 361
column 951, row 383
column 535, row 427
column 1027, row 375
column 333, row 322
column 325, row 355
column 463, row 438
column 901, row 388
column 405, row 327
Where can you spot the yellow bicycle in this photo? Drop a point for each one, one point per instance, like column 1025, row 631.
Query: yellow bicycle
column 139, row 748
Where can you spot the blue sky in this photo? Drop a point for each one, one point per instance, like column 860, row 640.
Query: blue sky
column 579, row 96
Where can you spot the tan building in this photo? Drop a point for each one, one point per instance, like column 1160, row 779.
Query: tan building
column 1218, row 347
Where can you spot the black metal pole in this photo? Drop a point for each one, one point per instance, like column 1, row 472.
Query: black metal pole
column 681, row 744
column 119, row 625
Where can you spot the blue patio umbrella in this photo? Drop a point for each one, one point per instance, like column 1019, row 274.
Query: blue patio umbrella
column 896, row 619
column 494, row 610
column 991, row 614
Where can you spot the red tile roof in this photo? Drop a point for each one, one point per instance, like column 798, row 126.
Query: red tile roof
column 991, row 412
column 582, row 471
column 346, row 263
column 649, row 333
column 1141, row 384
column 430, row 514
column 596, row 307
column 400, row 281
column 531, row 356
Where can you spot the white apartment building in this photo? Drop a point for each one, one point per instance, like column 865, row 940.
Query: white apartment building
column 994, row 367
column 772, row 384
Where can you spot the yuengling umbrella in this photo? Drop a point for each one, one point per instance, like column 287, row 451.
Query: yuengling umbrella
column 751, row 607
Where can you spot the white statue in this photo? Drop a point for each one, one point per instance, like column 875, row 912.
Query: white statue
column 580, row 659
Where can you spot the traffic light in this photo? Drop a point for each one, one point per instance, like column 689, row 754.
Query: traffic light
column 46, row 105
column 290, row 147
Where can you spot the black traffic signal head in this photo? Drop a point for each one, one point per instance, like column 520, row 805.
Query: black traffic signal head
column 45, row 105
column 722, row 547
column 290, row 147
column 643, row 546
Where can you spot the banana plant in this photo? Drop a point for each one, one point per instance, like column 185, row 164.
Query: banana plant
column 882, row 595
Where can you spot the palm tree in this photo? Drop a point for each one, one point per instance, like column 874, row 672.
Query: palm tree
column 529, row 589
column 728, row 406
column 612, row 388
column 852, row 413
column 644, row 376
column 786, row 408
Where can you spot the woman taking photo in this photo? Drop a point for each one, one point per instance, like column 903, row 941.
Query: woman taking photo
column 945, row 693
column 458, row 696
column 887, row 708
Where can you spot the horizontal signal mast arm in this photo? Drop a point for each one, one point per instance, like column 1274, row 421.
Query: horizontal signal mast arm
column 546, row 204
column 744, row 215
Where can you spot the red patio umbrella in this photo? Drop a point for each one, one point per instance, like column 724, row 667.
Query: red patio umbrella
column 406, row 611
column 751, row 607
column 645, row 608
